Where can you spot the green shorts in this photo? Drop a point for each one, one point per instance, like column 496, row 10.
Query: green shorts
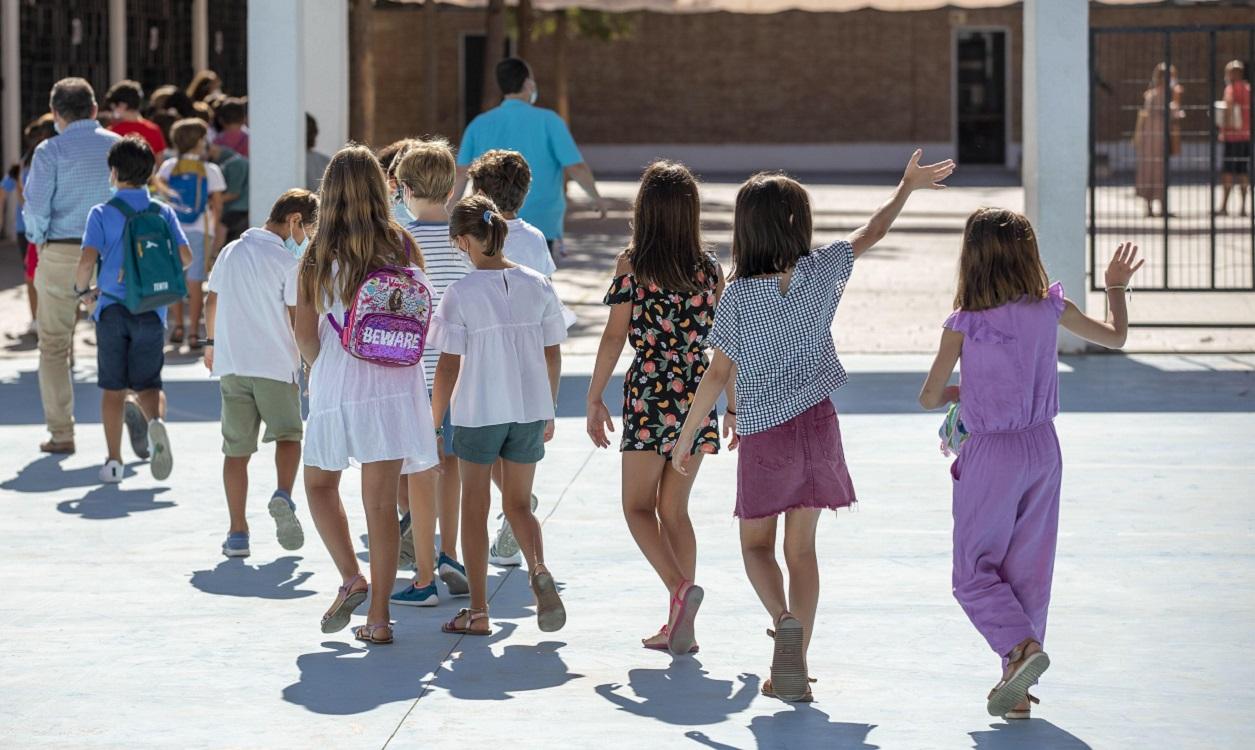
column 247, row 402
column 519, row 443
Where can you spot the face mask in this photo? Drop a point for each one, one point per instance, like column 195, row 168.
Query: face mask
column 402, row 212
column 293, row 247
column 535, row 94
column 113, row 190
column 56, row 125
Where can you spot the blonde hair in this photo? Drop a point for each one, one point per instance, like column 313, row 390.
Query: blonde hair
column 356, row 231
column 187, row 134
column 477, row 216
column 428, row 168
column 999, row 262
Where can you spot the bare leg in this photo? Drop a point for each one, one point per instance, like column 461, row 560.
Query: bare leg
column 642, row 476
column 476, row 497
column 423, row 524
column 379, row 483
column 448, row 492
column 799, row 556
column 287, row 461
column 152, row 402
column 403, row 494
column 322, row 492
column 516, row 502
column 1243, row 189
column 235, row 481
column 175, row 318
column 673, row 513
column 1226, row 185
column 111, row 415
column 758, row 550
column 195, row 297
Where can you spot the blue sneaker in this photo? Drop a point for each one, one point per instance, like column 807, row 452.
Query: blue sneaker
column 287, row 526
column 413, row 596
column 453, row 575
column 236, row 544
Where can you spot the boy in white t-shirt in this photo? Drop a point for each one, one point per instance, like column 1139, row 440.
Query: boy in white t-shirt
column 194, row 188
column 252, row 350
column 505, row 178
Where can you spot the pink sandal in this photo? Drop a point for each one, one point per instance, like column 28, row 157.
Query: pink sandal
column 684, row 605
column 658, row 641
column 342, row 609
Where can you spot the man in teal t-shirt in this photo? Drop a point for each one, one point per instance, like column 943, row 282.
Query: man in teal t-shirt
column 541, row 137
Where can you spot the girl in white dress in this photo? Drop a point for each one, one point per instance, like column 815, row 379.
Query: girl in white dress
column 359, row 412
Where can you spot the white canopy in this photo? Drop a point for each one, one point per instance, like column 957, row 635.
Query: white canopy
column 754, row 6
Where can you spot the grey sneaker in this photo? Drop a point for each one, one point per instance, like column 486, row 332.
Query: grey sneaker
column 287, row 525
column 406, row 557
column 136, row 428
column 505, row 548
column 162, row 462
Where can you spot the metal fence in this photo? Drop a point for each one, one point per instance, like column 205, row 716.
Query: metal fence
column 1157, row 169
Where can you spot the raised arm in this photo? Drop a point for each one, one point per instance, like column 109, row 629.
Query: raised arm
column 1113, row 330
column 915, row 177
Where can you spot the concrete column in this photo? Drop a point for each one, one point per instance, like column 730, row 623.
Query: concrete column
column 327, row 70
column 200, row 35
column 117, row 42
column 11, row 102
column 276, row 101
column 1056, row 138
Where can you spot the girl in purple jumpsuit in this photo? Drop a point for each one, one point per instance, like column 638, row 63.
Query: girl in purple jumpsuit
column 1007, row 477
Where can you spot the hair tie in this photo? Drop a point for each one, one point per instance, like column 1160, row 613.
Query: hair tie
column 488, row 217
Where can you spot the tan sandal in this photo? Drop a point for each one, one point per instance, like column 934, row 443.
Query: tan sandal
column 550, row 614
column 370, row 633
column 1022, row 714
column 342, row 608
column 469, row 617
column 767, row 690
column 1009, row 692
column 788, row 660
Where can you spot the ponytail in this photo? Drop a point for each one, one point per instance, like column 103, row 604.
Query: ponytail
column 477, row 216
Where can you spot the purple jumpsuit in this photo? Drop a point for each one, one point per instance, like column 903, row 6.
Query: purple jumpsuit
column 1006, row 480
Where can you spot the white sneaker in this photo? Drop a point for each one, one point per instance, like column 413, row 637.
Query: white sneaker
column 111, row 472
column 33, row 328
column 162, row 461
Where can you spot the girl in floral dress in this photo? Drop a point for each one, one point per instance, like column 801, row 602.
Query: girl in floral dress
column 663, row 297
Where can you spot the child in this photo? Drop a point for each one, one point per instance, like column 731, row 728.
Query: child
column 232, row 120
column 252, row 293
column 1236, row 137
column 129, row 346
column 1006, row 479
column 390, row 158
column 197, row 186
column 506, row 323
column 504, row 177
column 773, row 330
column 425, row 175
column 664, row 293
column 359, row 411
column 124, row 100
column 235, row 197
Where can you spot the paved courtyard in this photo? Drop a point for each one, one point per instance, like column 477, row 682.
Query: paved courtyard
column 125, row 627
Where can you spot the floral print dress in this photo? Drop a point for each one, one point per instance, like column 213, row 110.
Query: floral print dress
column 668, row 332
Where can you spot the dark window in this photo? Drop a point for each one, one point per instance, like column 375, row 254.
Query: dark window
column 980, row 85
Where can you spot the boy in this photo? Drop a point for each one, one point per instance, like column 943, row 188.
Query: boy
column 197, row 186
column 129, row 346
column 505, row 178
column 424, row 173
column 232, row 119
column 124, row 100
column 235, row 199
column 251, row 349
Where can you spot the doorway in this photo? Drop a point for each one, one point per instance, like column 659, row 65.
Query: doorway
column 473, row 73
column 980, row 86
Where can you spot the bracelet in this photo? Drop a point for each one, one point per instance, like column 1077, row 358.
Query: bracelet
column 208, row 342
column 730, row 411
column 1109, row 287
column 440, row 431
column 80, row 292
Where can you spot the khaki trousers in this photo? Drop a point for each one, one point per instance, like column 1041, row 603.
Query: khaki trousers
column 57, row 313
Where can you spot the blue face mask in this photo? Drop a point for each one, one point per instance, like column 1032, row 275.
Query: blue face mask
column 401, row 212
column 296, row 249
column 113, row 190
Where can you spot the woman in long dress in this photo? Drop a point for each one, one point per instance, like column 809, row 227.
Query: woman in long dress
column 1148, row 136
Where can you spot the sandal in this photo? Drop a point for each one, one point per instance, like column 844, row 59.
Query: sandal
column 550, row 614
column 469, row 617
column 788, row 661
column 767, row 690
column 1021, row 714
column 1012, row 690
column 342, row 608
column 65, row 447
column 658, row 641
column 370, row 633
column 681, row 639
column 176, row 336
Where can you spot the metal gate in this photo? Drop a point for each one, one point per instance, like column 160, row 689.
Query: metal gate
column 62, row 38
column 1156, row 156
column 159, row 42
column 228, row 44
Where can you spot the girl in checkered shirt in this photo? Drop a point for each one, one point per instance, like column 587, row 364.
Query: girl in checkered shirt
column 773, row 334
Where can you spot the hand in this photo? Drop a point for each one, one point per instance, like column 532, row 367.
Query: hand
column 950, row 394
column 601, row 207
column 929, row 176
column 209, row 357
column 1123, row 265
column 440, row 447
column 549, row 426
column 729, row 431
column 597, row 422
column 681, row 452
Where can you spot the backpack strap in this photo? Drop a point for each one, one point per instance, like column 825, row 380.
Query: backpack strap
column 122, row 206
column 339, row 329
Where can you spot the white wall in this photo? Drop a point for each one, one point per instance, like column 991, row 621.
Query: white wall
column 327, row 70
column 276, row 101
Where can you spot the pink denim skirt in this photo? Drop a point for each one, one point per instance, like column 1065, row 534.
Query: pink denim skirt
column 798, row 464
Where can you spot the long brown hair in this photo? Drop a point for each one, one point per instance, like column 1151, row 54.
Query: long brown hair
column 356, row 230
column 667, row 249
column 477, row 216
column 771, row 228
column 999, row 262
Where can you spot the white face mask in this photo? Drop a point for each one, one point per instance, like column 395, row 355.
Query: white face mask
column 531, row 99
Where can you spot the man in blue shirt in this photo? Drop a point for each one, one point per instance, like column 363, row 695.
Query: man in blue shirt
column 68, row 175
column 541, row 137
column 130, row 347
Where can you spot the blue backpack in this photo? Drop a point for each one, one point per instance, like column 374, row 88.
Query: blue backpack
column 151, row 268
column 190, row 183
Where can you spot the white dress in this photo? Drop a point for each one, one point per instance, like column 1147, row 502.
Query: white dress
column 360, row 412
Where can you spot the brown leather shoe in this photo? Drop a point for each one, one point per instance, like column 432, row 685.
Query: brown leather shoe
column 53, row 446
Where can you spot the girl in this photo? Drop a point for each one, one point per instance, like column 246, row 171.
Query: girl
column 1006, row 479
column 663, row 294
column 377, row 416
column 498, row 331
column 773, row 334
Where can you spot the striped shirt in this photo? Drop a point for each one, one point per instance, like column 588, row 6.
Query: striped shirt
column 69, row 174
column 445, row 265
column 786, row 361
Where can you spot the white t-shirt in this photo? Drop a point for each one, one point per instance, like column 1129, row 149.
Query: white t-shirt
column 445, row 264
column 255, row 280
column 217, row 184
column 500, row 322
column 526, row 245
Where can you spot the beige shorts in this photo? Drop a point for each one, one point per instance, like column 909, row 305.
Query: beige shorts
column 247, row 402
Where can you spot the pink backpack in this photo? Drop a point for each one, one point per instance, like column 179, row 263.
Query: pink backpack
column 387, row 322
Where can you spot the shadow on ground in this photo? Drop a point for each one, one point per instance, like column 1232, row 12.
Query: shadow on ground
column 1034, row 734
column 273, row 580
column 110, row 501
column 478, row 672
column 682, row 694
column 45, row 474
column 801, row 726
